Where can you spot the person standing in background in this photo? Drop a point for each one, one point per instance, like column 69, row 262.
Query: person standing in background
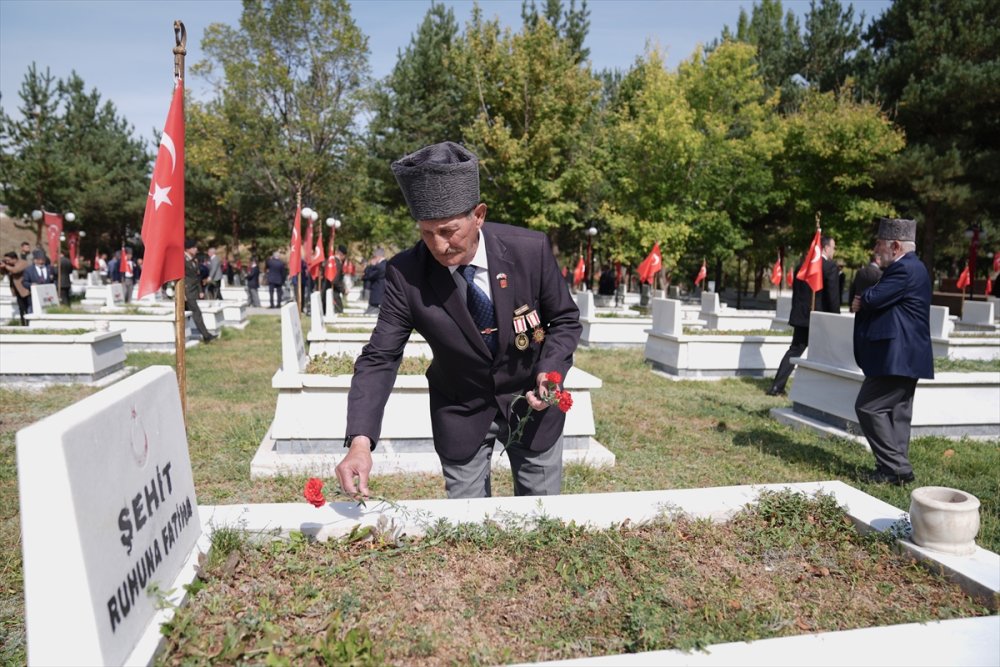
column 14, row 267
column 866, row 276
column 275, row 277
column 892, row 345
column 253, row 283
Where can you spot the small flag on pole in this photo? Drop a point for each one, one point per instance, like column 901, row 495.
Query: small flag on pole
column 651, row 265
column 812, row 269
column 295, row 253
column 776, row 273
column 163, row 222
column 963, row 278
column 53, row 229
column 579, row 272
column 702, row 273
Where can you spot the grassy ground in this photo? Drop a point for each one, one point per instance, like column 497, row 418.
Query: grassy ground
column 665, row 435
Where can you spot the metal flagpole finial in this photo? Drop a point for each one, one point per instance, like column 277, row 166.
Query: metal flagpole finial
column 817, row 219
column 180, row 48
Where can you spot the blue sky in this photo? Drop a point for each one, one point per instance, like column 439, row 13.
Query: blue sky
column 123, row 47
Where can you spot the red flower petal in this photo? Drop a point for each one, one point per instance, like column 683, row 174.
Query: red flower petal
column 555, row 377
column 314, row 492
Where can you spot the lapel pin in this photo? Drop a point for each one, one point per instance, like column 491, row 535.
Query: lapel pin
column 502, row 279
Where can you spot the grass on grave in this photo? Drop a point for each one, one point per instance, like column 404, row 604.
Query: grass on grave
column 495, row 594
column 665, row 435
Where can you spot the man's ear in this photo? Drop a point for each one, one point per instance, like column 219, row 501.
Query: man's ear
column 479, row 213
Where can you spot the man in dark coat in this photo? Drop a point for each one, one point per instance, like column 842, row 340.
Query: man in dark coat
column 276, row 273
column 339, row 286
column 253, row 283
column 193, row 288
column 827, row 301
column 375, row 279
column 38, row 273
column 892, row 345
column 865, row 278
column 490, row 302
column 65, row 271
column 14, row 267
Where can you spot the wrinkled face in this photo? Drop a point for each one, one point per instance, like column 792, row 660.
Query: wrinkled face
column 453, row 241
column 885, row 252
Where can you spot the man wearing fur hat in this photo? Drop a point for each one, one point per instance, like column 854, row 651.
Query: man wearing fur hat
column 491, row 303
column 892, row 345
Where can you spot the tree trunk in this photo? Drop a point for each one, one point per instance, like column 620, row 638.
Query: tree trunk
column 930, row 232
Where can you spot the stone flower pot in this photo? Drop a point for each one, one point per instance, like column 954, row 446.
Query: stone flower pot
column 944, row 519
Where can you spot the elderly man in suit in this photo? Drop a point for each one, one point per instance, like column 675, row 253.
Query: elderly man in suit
column 892, row 345
column 490, row 302
column 827, row 301
column 39, row 272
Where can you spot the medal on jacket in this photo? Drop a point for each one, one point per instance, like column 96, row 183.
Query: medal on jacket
column 502, row 279
column 538, row 333
column 520, row 328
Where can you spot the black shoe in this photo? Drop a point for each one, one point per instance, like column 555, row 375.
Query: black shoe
column 884, row 477
column 209, row 338
column 775, row 392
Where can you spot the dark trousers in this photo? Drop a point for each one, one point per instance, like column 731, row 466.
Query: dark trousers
column 24, row 307
column 534, row 473
column 64, row 295
column 885, row 408
column 191, row 303
column 800, row 341
column 271, row 289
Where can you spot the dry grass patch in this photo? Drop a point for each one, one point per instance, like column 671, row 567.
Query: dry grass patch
column 493, row 594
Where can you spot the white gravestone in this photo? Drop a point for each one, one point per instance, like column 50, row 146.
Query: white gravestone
column 43, row 296
column 709, row 302
column 293, row 345
column 940, row 322
column 116, row 295
column 108, row 514
column 316, row 313
column 94, row 279
column 667, row 317
column 585, row 302
column 331, row 309
column 977, row 312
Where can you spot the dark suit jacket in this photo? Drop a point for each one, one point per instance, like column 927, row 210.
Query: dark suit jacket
column 33, row 277
column 467, row 384
column 192, row 280
column 65, row 269
column 253, row 276
column 827, row 299
column 275, row 271
column 375, row 277
column 892, row 332
column 863, row 279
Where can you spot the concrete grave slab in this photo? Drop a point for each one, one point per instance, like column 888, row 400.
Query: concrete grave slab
column 116, row 295
column 108, row 513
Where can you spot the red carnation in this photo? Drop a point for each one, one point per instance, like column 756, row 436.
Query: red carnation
column 314, row 492
column 565, row 400
column 555, row 377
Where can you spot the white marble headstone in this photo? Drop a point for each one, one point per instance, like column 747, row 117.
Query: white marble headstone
column 977, row 312
column 116, row 295
column 108, row 512
column 293, row 345
column 831, row 340
column 783, row 307
column 331, row 310
column 667, row 317
column 94, row 278
column 316, row 313
column 585, row 302
column 709, row 302
column 43, row 296
column 940, row 322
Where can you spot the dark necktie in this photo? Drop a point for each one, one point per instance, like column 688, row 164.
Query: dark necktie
column 480, row 307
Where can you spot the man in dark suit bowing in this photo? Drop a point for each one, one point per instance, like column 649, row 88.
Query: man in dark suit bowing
column 892, row 345
column 491, row 303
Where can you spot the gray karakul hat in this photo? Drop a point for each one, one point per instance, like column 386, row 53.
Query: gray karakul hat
column 438, row 181
column 897, row 229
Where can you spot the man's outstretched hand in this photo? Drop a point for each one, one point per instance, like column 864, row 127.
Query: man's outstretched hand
column 356, row 465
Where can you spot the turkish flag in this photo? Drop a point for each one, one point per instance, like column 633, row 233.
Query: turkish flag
column 73, row 240
column 295, row 253
column 989, row 285
column 53, row 229
column 579, row 272
column 812, row 269
column 317, row 259
column 776, row 273
column 788, row 278
column 307, row 247
column 163, row 222
column 651, row 265
column 963, row 278
column 702, row 274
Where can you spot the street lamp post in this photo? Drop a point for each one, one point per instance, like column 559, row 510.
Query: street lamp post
column 591, row 233
column 334, row 224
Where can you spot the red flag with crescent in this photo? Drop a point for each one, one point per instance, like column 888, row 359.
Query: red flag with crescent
column 163, row 222
column 963, row 279
column 776, row 273
column 812, row 269
column 318, row 258
column 579, row 272
column 73, row 241
column 702, row 274
column 651, row 265
column 53, row 230
column 295, row 253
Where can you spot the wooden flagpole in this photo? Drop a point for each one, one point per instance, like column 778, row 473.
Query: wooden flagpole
column 298, row 208
column 818, row 229
column 180, row 335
